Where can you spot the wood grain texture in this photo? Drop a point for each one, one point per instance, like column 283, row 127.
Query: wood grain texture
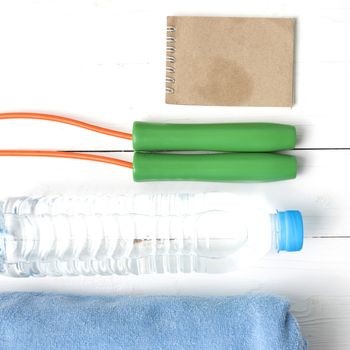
column 104, row 61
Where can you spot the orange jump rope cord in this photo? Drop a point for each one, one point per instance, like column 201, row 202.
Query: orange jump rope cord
column 57, row 118
column 58, row 154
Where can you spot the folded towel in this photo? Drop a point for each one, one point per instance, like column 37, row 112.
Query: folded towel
column 50, row 321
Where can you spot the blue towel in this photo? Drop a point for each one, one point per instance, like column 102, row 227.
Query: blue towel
column 50, row 321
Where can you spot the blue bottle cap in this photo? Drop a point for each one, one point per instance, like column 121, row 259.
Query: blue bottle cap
column 291, row 231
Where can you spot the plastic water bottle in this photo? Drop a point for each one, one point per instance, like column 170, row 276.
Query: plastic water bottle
column 142, row 233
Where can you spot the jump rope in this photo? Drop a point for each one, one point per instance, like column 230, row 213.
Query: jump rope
column 243, row 151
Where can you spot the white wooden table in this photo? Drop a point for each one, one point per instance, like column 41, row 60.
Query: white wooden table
column 102, row 61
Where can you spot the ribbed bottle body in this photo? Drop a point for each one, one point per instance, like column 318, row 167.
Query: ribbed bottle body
column 137, row 234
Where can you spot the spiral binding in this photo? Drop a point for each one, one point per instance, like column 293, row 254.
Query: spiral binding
column 170, row 60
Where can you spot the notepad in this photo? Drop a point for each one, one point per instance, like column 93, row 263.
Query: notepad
column 230, row 61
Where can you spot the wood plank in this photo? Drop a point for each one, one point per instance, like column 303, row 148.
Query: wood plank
column 315, row 281
column 101, row 75
column 324, row 204
column 109, row 70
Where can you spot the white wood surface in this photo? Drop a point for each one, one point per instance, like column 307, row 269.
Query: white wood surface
column 103, row 62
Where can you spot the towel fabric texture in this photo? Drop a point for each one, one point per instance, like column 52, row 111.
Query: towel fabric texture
column 54, row 321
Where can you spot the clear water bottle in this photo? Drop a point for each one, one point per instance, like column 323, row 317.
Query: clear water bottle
column 140, row 234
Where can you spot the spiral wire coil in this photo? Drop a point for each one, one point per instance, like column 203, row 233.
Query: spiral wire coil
column 170, row 60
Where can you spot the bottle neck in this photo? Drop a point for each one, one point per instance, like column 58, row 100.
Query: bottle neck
column 275, row 233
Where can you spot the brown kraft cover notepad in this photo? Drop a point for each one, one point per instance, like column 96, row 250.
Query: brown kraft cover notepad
column 226, row 61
